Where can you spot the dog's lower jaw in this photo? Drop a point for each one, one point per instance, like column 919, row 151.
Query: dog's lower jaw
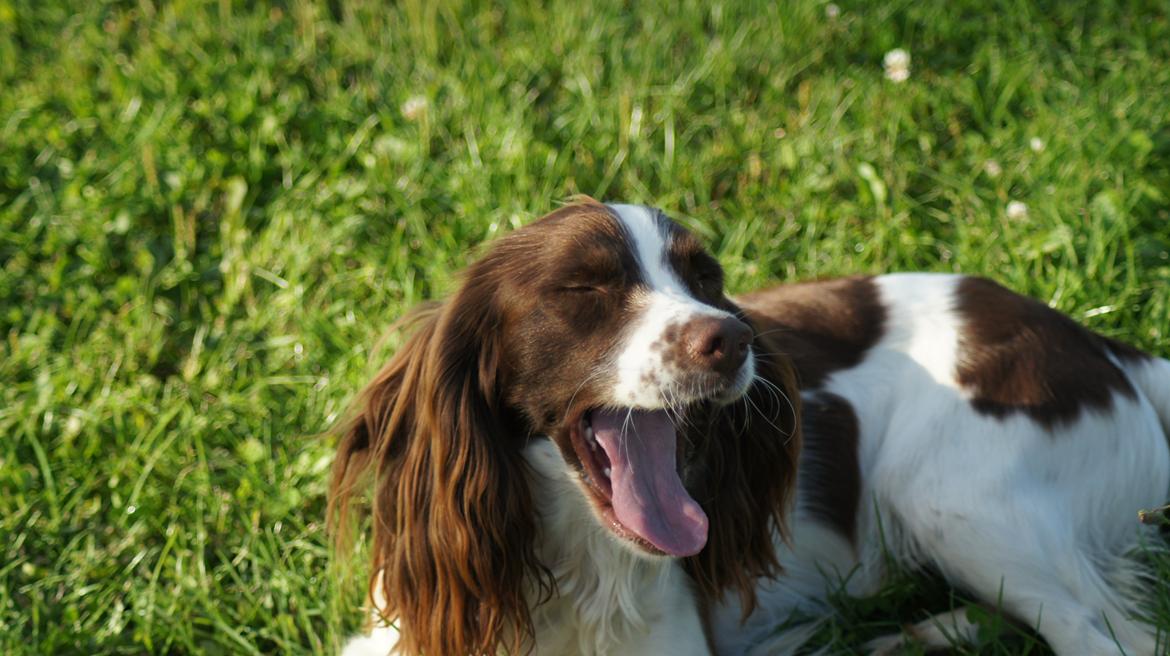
column 611, row 597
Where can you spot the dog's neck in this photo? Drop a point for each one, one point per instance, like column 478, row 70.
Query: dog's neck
column 605, row 592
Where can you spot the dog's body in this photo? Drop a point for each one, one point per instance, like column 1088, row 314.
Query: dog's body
column 957, row 425
column 947, row 422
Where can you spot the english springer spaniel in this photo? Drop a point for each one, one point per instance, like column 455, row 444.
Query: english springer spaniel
column 591, row 449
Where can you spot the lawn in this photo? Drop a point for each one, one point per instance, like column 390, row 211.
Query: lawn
column 210, row 212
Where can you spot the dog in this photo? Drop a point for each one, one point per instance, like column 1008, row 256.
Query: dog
column 591, row 448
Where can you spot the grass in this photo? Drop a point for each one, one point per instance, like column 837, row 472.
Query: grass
column 210, row 211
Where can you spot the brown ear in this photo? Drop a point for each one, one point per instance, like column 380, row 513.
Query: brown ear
column 453, row 523
column 748, row 452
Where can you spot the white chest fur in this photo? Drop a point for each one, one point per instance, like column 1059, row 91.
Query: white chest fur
column 608, row 600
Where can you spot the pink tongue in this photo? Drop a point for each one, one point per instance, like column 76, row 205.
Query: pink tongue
column 648, row 496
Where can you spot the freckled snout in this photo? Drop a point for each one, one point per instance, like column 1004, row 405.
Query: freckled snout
column 718, row 344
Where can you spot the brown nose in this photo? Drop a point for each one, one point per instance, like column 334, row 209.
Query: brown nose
column 718, row 344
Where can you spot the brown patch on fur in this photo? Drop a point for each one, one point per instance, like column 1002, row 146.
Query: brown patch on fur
column 452, row 519
column 695, row 267
column 830, row 472
column 822, row 326
column 1021, row 356
column 671, row 346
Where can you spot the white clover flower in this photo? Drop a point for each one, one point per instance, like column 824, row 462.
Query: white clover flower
column 832, row 11
column 1017, row 210
column 414, row 108
column 1036, row 144
column 897, row 65
column 992, row 168
column 73, row 425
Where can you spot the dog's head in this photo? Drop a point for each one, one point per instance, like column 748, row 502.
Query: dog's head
column 606, row 329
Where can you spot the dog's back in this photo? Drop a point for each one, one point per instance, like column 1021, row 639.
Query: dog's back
column 951, row 423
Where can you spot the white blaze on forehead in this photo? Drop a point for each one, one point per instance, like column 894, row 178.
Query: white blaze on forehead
column 643, row 377
column 650, row 246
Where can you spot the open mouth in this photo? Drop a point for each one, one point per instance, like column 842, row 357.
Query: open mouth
column 628, row 461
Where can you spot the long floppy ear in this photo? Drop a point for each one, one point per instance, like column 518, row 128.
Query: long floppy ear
column 453, row 521
column 747, row 452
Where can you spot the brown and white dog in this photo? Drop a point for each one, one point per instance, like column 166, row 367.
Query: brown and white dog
column 591, row 449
